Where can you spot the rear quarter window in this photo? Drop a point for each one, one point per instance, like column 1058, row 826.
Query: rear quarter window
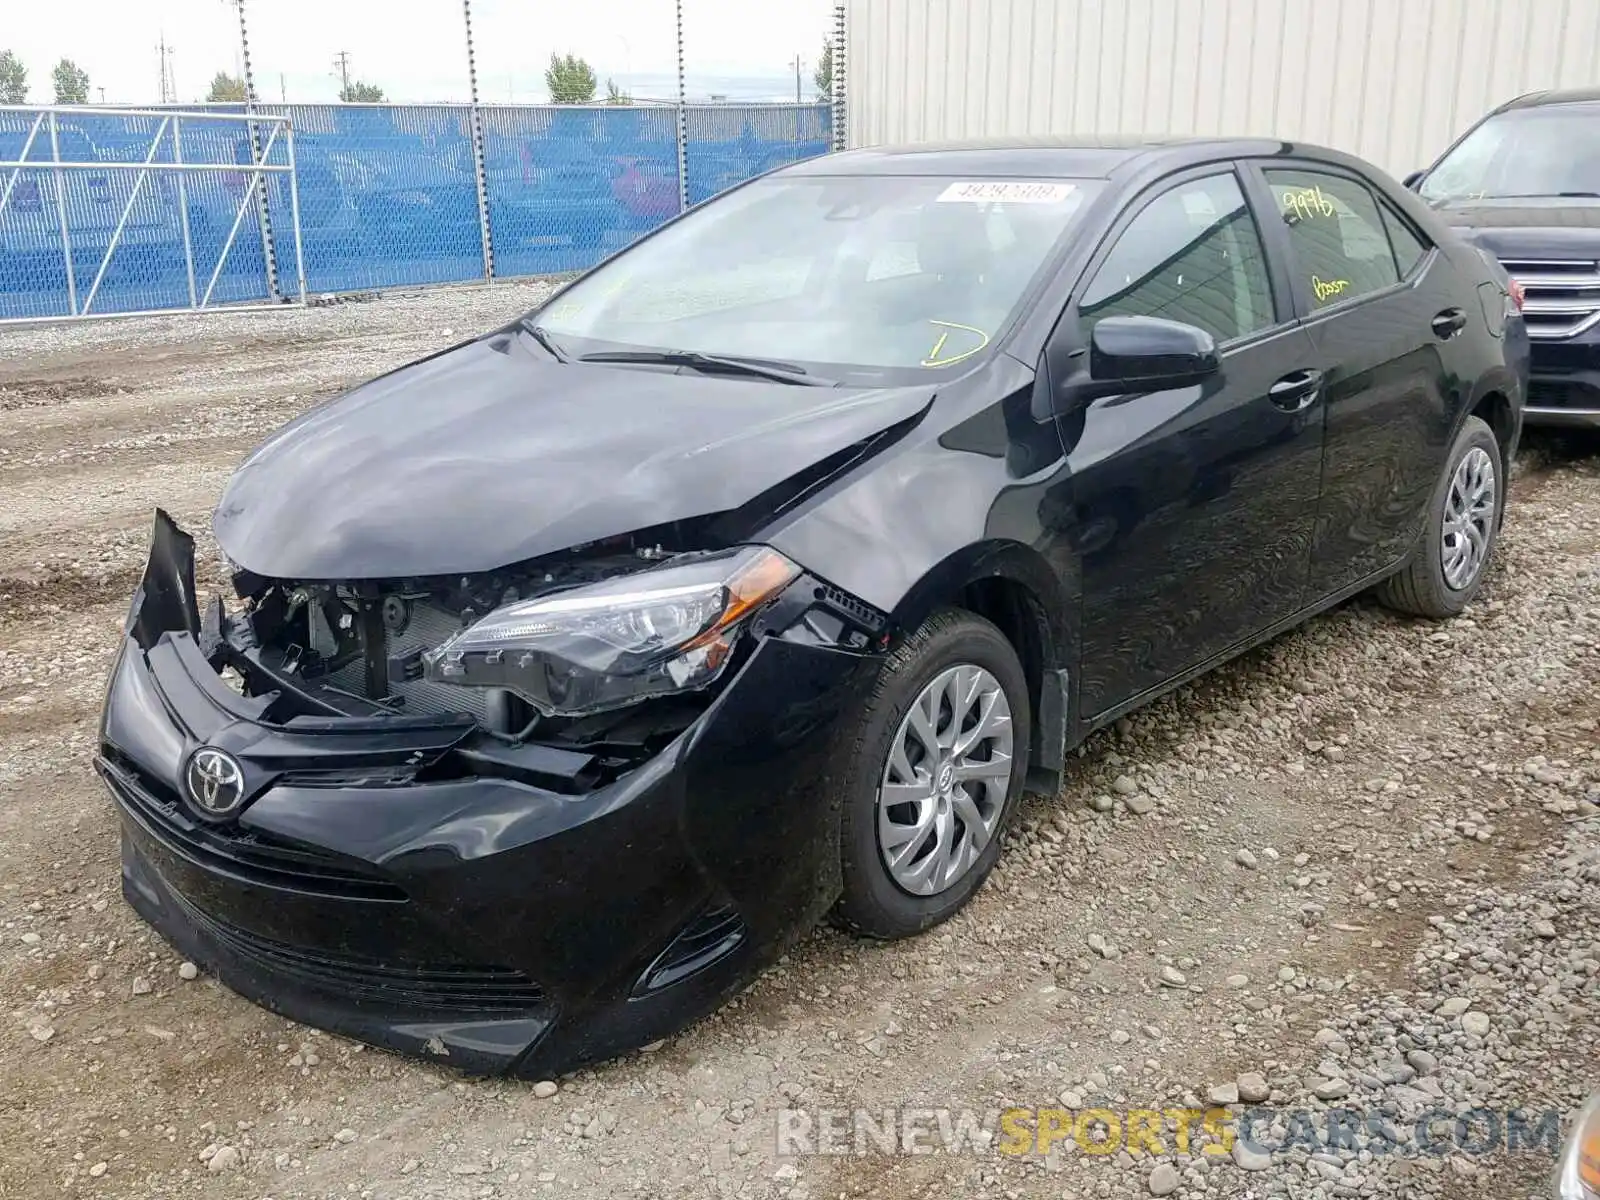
column 1408, row 247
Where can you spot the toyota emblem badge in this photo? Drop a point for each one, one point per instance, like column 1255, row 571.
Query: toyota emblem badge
column 215, row 782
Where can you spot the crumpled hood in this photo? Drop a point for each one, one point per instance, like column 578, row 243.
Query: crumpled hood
column 490, row 453
column 1529, row 229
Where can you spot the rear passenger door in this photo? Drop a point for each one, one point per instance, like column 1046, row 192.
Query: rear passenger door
column 1378, row 315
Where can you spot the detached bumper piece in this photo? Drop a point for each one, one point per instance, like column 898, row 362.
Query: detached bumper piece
column 416, row 884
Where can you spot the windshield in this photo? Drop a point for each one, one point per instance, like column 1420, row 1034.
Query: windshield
column 1551, row 151
column 860, row 278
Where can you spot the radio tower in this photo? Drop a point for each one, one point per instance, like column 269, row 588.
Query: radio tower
column 169, row 89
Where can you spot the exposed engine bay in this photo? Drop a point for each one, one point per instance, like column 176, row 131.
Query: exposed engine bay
column 358, row 646
column 356, row 649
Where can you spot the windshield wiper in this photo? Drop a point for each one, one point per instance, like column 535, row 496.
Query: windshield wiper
column 538, row 334
column 760, row 368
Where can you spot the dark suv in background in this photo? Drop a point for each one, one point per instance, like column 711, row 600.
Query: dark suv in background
column 1524, row 184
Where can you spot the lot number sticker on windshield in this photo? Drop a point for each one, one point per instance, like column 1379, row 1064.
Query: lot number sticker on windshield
column 983, row 191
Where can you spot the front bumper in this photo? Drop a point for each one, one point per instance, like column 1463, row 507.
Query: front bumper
column 412, row 884
column 1564, row 391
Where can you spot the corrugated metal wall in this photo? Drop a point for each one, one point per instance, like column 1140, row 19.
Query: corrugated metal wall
column 1392, row 80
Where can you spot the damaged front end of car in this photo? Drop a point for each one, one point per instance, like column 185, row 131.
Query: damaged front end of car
column 518, row 820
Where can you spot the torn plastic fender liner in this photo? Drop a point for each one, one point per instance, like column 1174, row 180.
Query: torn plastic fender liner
column 165, row 600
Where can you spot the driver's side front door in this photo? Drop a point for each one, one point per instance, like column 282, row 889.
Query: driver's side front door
column 1193, row 507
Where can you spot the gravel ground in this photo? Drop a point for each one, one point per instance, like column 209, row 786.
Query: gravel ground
column 1355, row 870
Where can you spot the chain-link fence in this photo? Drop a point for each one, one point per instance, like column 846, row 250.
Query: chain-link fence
column 105, row 212
column 170, row 206
column 375, row 196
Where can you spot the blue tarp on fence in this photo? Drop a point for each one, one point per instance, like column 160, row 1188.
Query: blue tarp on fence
column 387, row 195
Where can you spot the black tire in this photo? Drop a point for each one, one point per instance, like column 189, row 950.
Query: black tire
column 1420, row 588
column 872, row 903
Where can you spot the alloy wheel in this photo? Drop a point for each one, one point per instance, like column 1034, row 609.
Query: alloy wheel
column 944, row 787
column 1469, row 511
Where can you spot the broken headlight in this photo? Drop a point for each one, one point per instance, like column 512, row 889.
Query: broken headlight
column 615, row 643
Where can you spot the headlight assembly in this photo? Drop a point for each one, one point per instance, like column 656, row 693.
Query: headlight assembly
column 1578, row 1174
column 615, row 643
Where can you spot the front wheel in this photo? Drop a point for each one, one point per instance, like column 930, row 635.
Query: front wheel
column 1463, row 523
column 937, row 759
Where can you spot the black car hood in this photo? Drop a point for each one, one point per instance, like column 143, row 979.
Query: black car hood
column 490, row 453
column 1529, row 229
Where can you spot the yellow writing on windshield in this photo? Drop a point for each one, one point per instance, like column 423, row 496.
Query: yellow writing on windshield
column 938, row 358
column 1325, row 289
column 1305, row 203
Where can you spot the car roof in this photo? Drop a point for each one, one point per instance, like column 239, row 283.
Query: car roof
column 1587, row 95
column 1073, row 158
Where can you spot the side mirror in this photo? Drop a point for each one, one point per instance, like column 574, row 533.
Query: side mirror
column 1148, row 354
column 1411, row 181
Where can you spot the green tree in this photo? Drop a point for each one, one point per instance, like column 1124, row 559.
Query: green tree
column 13, row 79
column 615, row 95
column 361, row 93
column 823, row 76
column 570, row 80
column 225, row 88
column 72, row 83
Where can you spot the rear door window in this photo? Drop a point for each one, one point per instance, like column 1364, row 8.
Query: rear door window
column 1336, row 233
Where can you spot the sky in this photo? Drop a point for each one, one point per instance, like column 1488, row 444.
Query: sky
column 415, row 50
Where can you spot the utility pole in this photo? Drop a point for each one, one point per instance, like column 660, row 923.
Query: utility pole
column 283, row 89
column 342, row 61
column 797, row 79
column 169, row 93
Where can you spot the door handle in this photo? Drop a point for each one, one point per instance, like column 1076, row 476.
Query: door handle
column 1296, row 390
column 1449, row 323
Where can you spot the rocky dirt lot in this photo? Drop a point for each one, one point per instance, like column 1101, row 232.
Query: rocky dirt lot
column 1356, row 870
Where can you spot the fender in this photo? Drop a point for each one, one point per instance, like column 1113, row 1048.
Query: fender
column 978, row 491
column 1502, row 381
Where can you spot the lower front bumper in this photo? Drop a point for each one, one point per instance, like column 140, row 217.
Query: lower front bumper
column 1562, row 418
column 385, row 883
column 1564, row 391
column 407, row 1009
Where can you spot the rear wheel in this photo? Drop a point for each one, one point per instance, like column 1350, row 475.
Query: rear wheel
column 938, row 757
column 1463, row 524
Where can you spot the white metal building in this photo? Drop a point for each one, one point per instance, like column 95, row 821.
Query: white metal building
column 1392, row 80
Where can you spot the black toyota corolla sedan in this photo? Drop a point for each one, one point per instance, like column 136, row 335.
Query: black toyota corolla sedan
column 575, row 670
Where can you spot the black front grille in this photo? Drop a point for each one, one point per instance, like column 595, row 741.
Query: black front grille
column 241, row 853
column 456, row 988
